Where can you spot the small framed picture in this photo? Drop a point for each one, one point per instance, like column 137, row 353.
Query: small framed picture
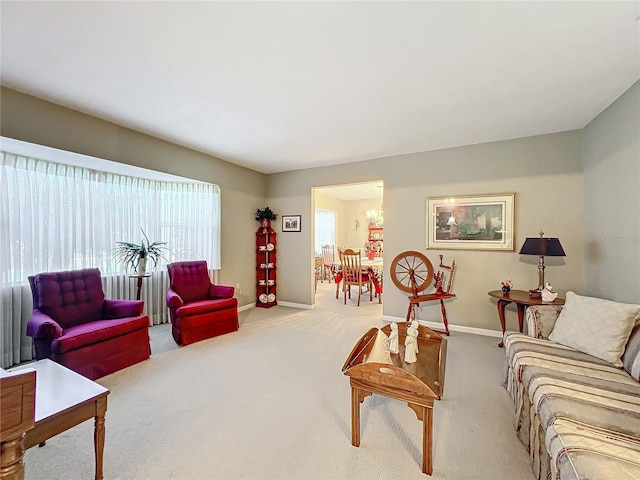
column 291, row 223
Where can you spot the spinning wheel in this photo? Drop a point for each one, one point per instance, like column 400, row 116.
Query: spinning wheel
column 411, row 272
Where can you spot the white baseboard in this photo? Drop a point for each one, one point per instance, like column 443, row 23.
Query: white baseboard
column 453, row 328
column 296, row 305
column 248, row 306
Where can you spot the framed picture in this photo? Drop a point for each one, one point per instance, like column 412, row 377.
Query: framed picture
column 471, row 222
column 291, row 223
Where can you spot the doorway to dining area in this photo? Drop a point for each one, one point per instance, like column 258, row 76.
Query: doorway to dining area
column 349, row 216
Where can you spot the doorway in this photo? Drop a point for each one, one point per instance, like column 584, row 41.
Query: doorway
column 347, row 216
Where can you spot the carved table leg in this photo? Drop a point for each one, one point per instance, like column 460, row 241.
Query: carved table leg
column 444, row 317
column 98, row 437
column 521, row 309
column 501, row 305
column 11, row 455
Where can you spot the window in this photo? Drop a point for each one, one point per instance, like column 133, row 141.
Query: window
column 325, row 229
column 55, row 216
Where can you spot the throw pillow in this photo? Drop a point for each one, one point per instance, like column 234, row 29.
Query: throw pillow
column 595, row 326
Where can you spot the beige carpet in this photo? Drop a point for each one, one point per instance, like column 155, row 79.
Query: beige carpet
column 270, row 402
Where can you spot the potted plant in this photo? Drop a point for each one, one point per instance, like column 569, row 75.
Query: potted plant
column 135, row 256
column 265, row 216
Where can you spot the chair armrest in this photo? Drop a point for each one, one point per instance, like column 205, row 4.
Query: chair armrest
column 41, row 325
column 541, row 319
column 221, row 291
column 122, row 308
column 173, row 299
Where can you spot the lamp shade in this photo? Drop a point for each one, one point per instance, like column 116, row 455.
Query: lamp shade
column 548, row 247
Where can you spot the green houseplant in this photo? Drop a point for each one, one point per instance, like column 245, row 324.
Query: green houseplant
column 135, row 256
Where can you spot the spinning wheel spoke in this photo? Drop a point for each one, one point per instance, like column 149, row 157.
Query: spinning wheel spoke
column 408, row 265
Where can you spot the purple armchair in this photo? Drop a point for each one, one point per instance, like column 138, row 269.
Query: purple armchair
column 74, row 325
column 198, row 308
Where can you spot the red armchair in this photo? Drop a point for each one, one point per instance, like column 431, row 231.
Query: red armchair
column 198, row 308
column 73, row 324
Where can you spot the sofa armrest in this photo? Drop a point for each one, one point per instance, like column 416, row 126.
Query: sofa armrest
column 173, row 299
column 221, row 291
column 41, row 325
column 122, row 308
column 541, row 319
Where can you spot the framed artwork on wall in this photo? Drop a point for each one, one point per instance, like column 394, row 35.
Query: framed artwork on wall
column 471, row 222
column 291, row 223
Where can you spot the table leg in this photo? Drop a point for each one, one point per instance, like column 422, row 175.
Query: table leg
column 98, row 436
column 355, row 417
column 501, row 305
column 11, row 458
column 521, row 309
column 444, row 317
column 427, row 440
column 138, row 294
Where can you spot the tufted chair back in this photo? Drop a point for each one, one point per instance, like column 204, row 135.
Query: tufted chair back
column 190, row 280
column 70, row 298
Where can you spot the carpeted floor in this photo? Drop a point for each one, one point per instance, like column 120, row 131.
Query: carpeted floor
column 270, row 402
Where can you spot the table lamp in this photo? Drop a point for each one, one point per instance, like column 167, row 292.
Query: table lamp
column 542, row 247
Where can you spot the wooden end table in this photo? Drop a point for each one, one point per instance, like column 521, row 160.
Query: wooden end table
column 64, row 399
column 418, row 384
column 522, row 301
column 139, row 284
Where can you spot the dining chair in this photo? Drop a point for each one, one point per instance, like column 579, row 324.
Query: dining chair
column 352, row 274
column 328, row 260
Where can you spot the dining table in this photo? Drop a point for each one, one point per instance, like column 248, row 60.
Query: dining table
column 372, row 267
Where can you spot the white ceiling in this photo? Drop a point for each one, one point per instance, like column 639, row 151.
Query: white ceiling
column 278, row 86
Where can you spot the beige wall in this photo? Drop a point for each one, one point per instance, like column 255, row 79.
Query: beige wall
column 612, row 200
column 544, row 171
column 27, row 118
column 554, row 190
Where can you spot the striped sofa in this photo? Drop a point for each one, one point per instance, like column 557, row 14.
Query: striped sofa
column 578, row 416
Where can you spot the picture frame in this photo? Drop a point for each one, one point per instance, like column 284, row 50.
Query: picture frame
column 471, row 222
column 291, row 223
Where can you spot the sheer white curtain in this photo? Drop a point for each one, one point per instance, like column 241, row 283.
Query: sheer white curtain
column 325, row 229
column 58, row 217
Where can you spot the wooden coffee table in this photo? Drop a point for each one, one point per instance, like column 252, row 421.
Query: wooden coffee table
column 65, row 399
column 418, row 384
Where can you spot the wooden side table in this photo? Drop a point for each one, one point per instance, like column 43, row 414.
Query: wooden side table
column 522, row 301
column 139, row 283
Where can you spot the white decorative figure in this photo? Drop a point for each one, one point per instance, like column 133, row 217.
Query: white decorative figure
column 410, row 347
column 414, row 325
column 548, row 293
column 393, row 338
column 380, row 350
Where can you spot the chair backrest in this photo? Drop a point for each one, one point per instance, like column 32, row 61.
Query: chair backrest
column 328, row 256
column 70, row 298
column 351, row 266
column 190, row 280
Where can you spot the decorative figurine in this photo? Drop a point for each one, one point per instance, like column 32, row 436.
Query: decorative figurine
column 414, row 326
column 380, row 350
column 507, row 286
column 410, row 347
column 548, row 294
column 393, row 338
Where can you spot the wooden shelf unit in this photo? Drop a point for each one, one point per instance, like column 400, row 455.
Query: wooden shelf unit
column 266, row 266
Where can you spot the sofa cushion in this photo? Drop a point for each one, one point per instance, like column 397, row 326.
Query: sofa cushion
column 595, row 326
column 94, row 332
